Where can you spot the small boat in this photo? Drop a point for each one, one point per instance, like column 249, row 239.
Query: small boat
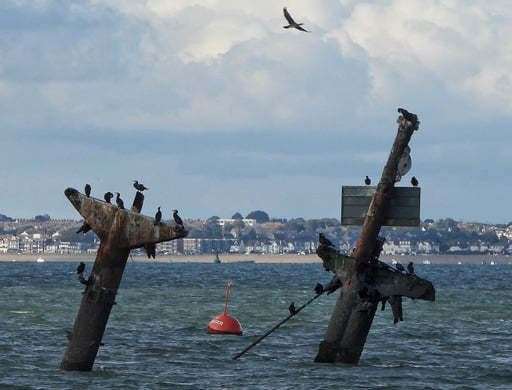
column 39, row 260
column 459, row 262
column 492, row 262
column 217, row 259
column 427, row 262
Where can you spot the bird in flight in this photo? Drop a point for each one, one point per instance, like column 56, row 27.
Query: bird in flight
column 292, row 23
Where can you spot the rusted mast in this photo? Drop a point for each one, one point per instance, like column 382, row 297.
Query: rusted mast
column 352, row 316
column 119, row 232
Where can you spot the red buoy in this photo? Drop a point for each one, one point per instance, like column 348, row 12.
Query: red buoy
column 224, row 323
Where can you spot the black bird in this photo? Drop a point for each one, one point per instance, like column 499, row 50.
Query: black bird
column 292, row 23
column 292, row 309
column 410, row 268
column 408, row 116
column 108, row 196
column 81, row 268
column 414, row 181
column 177, row 218
column 399, row 267
column 150, row 250
column 87, row 190
column 139, row 186
column 324, row 240
column 119, row 201
column 84, row 228
column 319, row 289
column 158, row 216
column 367, row 181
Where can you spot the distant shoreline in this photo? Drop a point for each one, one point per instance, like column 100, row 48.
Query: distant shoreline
column 276, row 259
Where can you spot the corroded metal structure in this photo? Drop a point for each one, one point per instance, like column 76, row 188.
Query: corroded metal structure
column 119, row 231
column 365, row 280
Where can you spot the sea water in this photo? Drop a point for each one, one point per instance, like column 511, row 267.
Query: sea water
column 156, row 336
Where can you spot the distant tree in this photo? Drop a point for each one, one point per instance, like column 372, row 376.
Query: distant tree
column 259, row 215
column 42, row 218
column 5, row 218
column 429, row 221
column 237, row 216
column 213, row 219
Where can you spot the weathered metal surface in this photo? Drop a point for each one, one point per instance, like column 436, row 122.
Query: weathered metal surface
column 355, row 308
column 403, row 208
column 132, row 229
column 119, row 231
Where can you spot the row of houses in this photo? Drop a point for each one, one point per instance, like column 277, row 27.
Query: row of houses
column 406, row 247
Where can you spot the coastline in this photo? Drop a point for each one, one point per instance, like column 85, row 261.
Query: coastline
column 256, row 258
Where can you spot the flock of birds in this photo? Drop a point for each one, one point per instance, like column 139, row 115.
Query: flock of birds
column 120, row 204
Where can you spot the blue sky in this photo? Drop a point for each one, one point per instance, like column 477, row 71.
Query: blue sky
column 218, row 109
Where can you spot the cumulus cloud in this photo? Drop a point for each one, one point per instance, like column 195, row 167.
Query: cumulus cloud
column 170, row 77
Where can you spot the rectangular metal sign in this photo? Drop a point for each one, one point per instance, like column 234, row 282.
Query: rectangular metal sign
column 404, row 209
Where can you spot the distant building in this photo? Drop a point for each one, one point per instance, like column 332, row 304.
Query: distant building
column 230, row 221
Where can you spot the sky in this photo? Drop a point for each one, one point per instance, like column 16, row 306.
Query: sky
column 217, row 109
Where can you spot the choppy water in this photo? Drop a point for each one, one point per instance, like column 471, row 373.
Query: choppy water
column 156, row 335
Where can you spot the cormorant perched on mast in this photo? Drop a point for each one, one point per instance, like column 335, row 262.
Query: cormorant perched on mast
column 324, row 240
column 414, row 181
column 177, row 218
column 81, row 268
column 413, row 118
column 367, row 181
column 119, row 201
column 84, row 228
column 88, row 190
column 158, row 216
column 139, row 186
column 410, row 268
column 108, row 196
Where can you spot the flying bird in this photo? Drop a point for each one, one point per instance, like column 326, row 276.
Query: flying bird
column 324, row 240
column 367, row 181
column 84, row 228
column 139, row 186
column 87, row 190
column 414, row 181
column 158, row 216
column 119, row 201
column 292, row 23
column 81, row 268
column 108, row 196
column 177, row 218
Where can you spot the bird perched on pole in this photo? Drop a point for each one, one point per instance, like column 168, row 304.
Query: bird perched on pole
column 324, row 240
column 413, row 118
column 119, row 201
column 81, row 268
column 399, row 267
column 367, row 181
column 410, row 268
column 177, row 218
column 158, row 216
column 292, row 309
column 414, row 181
column 139, row 186
column 87, row 190
column 108, row 196
column 84, row 228
column 292, row 23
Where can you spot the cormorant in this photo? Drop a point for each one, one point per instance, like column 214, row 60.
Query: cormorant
column 81, row 268
column 292, row 23
column 399, row 267
column 367, row 181
column 319, row 289
column 150, row 250
column 108, row 196
column 84, row 228
column 139, row 186
column 414, row 181
column 158, row 216
column 410, row 268
column 292, row 309
column 177, row 218
column 119, row 201
column 408, row 116
column 87, row 190
column 324, row 240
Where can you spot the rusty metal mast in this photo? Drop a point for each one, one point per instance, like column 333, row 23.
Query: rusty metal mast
column 119, row 231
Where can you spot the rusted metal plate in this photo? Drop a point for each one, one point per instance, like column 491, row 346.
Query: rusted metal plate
column 404, row 209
